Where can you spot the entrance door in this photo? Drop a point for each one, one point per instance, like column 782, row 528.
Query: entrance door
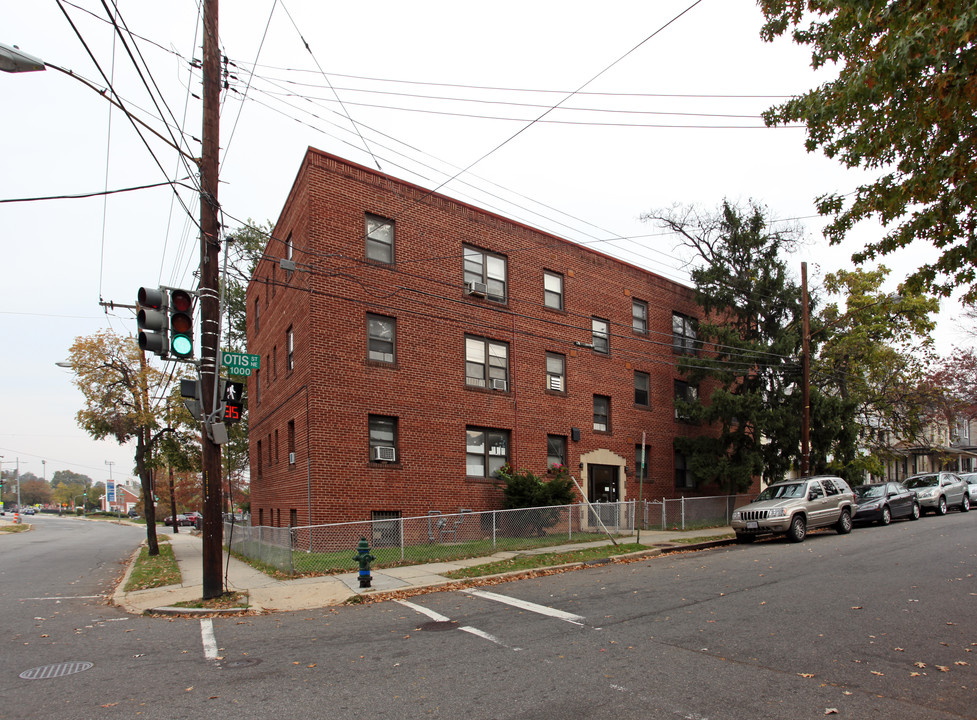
column 602, row 485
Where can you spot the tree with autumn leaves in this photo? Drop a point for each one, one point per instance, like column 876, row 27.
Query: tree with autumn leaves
column 902, row 106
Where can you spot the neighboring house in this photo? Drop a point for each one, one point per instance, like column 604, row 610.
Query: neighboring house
column 944, row 446
column 411, row 345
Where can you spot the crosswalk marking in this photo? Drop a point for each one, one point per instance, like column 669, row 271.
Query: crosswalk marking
column 531, row 607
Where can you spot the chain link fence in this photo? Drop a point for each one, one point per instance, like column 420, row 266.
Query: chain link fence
column 431, row 538
column 690, row 513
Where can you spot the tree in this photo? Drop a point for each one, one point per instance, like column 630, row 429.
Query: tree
column 34, row 490
column 525, row 489
column 748, row 345
column 902, row 107
column 112, row 374
column 873, row 356
column 69, row 476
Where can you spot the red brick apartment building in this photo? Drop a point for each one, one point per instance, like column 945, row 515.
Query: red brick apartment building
column 412, row 344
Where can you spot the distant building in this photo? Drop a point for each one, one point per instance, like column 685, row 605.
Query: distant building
column 412, row 344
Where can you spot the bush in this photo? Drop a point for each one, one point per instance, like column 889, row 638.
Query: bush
column 525, row 489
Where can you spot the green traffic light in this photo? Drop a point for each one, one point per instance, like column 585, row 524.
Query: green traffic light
column 182, row 346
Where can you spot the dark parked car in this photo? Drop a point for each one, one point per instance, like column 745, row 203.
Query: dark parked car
column 939, row 491
column 133, row 515
column 181, row 520
column 881, row 502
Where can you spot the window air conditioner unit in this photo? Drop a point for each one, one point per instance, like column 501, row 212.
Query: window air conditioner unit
column 384, row 453
column 476, row 288
column 291, row 458
column 498, row 384
column 556, row 383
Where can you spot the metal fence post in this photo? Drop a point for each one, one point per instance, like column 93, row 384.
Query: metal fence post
column 683, row 512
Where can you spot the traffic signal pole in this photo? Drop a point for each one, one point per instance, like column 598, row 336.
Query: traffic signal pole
column 213, row 527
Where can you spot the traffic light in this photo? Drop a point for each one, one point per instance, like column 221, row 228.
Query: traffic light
column 152, row 321
column 181, row 324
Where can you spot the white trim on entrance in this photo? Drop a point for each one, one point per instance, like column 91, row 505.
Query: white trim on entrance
column 604, row 457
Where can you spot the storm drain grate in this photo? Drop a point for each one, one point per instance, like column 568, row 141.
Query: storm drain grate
column 46, row 672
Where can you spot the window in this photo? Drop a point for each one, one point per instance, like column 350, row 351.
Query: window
column 379, row 239
column 641, row 462
column 274, row 280
column 556, row 372
column 289, row 247
column 642, row 389
column 383, row 438
column 381, row 338
column 602, row 413
column 556, row 450
column 601, row 335
column 274, row 361
column 293, row 517
column 483, row 269
column 683, row 475
column 277, row 456
column 553, row 290
column 291, row 442
column 486, row 363
column 387, row 531
column 257, row 322
column 290, row 348
column 486, row 452
column 684, row 394
column 261, row 460
column 684, row 334
column 639, row 316
column 257, row 387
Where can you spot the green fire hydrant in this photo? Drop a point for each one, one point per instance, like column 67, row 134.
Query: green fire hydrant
column 364, row 558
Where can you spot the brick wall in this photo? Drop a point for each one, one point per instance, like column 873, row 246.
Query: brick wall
column 334, row 387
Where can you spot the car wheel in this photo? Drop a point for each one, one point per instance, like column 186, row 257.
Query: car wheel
column 941, row 506
column 744, row 538
column 965, row 503
column 916, row 511
column 798, row 529
column 844, row 522
column 886, row 516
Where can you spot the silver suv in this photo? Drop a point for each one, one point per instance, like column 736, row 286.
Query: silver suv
column 793, row 506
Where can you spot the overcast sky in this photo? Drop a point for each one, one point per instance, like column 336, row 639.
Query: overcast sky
column 668, row 113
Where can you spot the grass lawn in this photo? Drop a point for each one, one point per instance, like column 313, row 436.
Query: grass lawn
column 531, row 562
column 152, row 572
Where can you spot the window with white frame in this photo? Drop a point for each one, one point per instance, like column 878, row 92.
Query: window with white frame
column 556, row 372
column 684, row 334
column 486, row 451
column 381, row 332
column 602, row 413
column 383, row 438
column 639, row 316
column 485, row 273
column 379, row 239
column 486, row 363
column 552, row 290
column 601, row 335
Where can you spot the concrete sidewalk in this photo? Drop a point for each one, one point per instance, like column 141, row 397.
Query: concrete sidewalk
column 267, row 594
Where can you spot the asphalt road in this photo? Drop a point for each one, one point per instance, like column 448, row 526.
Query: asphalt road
column 879, row 623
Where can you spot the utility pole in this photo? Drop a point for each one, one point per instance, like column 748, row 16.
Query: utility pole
column 213, row 527
column 806, row 382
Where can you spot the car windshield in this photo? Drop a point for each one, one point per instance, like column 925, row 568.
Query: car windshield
column 923, row 481
column 789, row 490
column 869, row 491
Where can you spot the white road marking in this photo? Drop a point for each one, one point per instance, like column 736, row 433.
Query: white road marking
column 531, row 607
column 209, row 641
column 466, row 628
column 67, row 597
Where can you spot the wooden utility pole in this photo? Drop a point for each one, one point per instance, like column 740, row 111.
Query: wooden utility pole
column 806, row 382
column 213, row 526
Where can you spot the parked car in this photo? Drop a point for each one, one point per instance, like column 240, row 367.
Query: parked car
column 971, row 480
column 195, row 518
column 939, row 491
column 132, row 514
column 28, row 511
column 793, row 507
column 181, row 520
column 881, row 502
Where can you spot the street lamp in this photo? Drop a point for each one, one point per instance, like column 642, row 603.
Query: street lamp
column 14, row 60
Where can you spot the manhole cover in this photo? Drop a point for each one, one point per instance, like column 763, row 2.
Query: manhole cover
column 439, row 625
column 53, row 671
column 242, row 663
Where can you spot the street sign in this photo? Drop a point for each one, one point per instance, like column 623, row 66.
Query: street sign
column 240, row 363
